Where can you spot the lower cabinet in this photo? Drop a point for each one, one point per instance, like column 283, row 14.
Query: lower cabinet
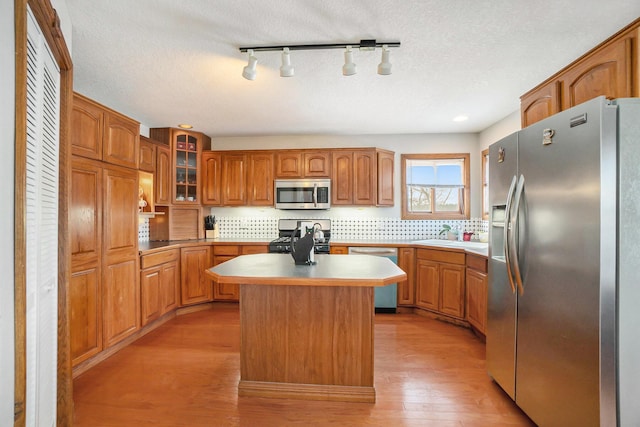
column 339, row 250
column 477, row 291
column 85, row 305
column 440, row 282
column 406, row 288
column 120, row 301
column 195, row 286
column 222, row 253
column 159, row 284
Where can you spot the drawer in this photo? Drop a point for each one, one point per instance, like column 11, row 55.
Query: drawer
column 477, row 262
column 441, row 256
column 226, row 250
column 158, row 258
column 255, row 249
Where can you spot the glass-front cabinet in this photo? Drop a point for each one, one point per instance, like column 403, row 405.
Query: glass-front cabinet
column 186, row 147
column 186, row 173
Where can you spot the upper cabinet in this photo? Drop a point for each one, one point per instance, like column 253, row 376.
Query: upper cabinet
column 359, row 176
column 303, row 164
column 260, row 179
column 606, row 72
column 540, row 103
column 211, row 178
column 611, row 69
column 162, row 177
column 362, row 177
column 237, row 178
column 385, row 171
column 186, row 150
column 147, row 155
column 100, row 133
column 234, row 179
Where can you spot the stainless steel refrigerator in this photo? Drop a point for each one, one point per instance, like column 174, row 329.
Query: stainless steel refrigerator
column 563, row 333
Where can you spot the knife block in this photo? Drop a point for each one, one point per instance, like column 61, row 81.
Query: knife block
column 212, row 234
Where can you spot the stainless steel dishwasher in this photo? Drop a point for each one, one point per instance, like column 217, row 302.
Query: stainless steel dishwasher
column 386, row 297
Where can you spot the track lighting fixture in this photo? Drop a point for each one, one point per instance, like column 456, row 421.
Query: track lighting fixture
column 384, row 68
column 249, row 72
column 349, row 68
column 286, row 70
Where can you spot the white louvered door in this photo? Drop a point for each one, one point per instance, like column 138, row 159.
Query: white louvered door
column 43, row 124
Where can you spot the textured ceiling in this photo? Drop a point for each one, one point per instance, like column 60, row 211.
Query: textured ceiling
column 165, row 62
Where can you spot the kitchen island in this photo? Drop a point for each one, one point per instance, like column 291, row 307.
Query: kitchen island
column 307, row 330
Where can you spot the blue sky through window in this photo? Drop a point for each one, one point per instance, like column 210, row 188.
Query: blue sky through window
column 435, row 175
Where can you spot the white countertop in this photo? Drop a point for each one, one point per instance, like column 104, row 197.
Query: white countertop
column 329, row 270
column 473, row 247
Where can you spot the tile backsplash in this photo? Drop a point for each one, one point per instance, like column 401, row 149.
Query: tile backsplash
column 143, row 229
column 341, row 228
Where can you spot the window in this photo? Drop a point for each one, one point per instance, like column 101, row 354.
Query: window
column 485, row 184
column 435, row 186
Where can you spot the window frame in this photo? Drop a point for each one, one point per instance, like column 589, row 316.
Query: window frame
column 485, row 184
column 466, row 198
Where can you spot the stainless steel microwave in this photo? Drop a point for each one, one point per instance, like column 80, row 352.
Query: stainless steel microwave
column 303, row 193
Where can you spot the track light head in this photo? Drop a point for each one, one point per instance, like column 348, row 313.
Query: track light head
column 384, row 68
column 286, row 70
column 349, row 68
column 249, row 72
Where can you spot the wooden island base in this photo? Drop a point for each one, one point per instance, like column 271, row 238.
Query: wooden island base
column 307, row 342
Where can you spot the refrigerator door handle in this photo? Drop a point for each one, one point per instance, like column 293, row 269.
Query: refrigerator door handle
column 507, row 226
column 514, row 221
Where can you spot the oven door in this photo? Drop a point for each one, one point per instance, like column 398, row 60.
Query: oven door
column 302, row 194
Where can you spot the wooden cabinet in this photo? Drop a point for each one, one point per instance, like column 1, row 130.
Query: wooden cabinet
column 611, row 69
column 85, row 217
column 103, row 223
column 317, row 164
column 238, row 178
column 234, row 179
column 385, row 174
column 427, row 284
column 477, row 291
column 86, row 314
column 100, row 133
column 186, row 150
column 339, row 250
column 225, row 291
column 222, row 253
column 440, row 281
column 147, row 155
column 120, row 141
column 362, row 177
column 260, row 179
column 540, row 103
column 195, row 286
column 155, row 176
column 177, row 223
column 120, row 297
column 302, row 164
column 211, row 178
column 406, row 288
column 87, row 128
column 159, row 284
column 342, row 178
column 162, row 177
column 605, row 72
column 288, row 164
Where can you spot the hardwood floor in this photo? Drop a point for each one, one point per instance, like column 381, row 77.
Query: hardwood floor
column 186, row 373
